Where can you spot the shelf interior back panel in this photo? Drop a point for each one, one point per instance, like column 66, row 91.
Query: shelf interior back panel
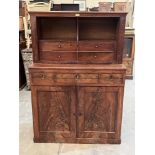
column 93, row 28
column 57, row 28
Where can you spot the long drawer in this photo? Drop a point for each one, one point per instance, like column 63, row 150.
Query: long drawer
column 50, row 78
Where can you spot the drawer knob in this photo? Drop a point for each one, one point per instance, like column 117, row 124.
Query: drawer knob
column 59, row 56
column 77, row 77
column 79, row 114
column 95, row 56
column 96, row 46
column 59, row 46
column 111, row 77
column 42, row 76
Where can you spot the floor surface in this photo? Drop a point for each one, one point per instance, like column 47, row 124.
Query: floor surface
column 27, row 147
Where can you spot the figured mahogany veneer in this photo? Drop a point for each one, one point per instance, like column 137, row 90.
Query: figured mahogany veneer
column 77, row 103
column 77, row 79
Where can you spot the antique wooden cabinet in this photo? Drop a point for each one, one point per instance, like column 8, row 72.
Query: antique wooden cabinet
column 77, row 103
column 77, row 79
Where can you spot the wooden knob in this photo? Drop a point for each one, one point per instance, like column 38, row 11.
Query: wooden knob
column 95, row 56
column 42, row 76
column 59, row 46
column 111, row 77
column 96, row 46
column 79, row 114
column 59, row 56
column 77, row 77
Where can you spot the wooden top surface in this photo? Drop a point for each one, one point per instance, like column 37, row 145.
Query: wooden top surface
column 78, row 66
column 77, row 13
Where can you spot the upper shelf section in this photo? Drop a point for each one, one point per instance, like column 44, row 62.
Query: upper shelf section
column 84, row 28
column 77, row 37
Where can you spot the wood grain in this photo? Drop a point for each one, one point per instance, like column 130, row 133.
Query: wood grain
column 77, row 78
column 68, row 34
column 80, row 105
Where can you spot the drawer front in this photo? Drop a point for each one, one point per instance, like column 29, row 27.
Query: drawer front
column 96, row 57
column 58, row 56
column 96, row 46
column 111, row 79
column 49, row 78
column 57, row 46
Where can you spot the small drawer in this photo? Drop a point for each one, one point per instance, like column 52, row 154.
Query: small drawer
column 57, row 45
column 87, row 78
column 96, row 46
column 111, row 78
column 96, row 57
column 58, row 56
column 77, row 78
column 64, row 78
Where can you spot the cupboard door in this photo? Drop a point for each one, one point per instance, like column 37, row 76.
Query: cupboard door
column 99, row 112
column 55, row 108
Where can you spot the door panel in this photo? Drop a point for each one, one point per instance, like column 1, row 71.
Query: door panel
column 97, row 108
column 56, row 106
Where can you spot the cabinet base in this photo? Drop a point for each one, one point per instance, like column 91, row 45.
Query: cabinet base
column 80, row 141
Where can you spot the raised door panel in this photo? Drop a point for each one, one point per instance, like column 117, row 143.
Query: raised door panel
column 56, row 106
column 98, row 109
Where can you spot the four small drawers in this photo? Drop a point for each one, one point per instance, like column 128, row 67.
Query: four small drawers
column 77, row 52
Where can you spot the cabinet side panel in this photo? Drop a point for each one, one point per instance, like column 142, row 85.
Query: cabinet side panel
column 35, row 112
column 34, row 31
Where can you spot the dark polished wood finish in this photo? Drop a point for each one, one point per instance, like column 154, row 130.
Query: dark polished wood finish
column 77, row 103
column 69, row 37
column 77, row 79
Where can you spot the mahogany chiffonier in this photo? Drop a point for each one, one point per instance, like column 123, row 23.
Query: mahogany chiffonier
column 77, row 79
